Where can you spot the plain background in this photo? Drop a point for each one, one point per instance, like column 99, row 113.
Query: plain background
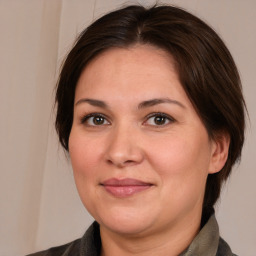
column 39, row 205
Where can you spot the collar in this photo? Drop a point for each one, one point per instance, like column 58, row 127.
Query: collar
column 207, row 242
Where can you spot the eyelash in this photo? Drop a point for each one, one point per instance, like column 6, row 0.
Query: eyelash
column 161, row 115
column 85, row 119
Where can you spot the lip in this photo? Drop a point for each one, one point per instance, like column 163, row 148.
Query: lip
column 125, row 187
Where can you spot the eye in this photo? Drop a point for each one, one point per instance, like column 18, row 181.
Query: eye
column 158, row 119
column 95, row 119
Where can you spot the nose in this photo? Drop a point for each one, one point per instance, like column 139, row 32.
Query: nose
column 124, row 147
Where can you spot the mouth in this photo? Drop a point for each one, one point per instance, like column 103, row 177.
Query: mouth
column 125, row 187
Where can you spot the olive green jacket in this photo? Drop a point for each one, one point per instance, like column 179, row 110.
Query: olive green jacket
column 206, row 243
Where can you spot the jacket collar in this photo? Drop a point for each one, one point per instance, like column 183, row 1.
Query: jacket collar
column 207, row 242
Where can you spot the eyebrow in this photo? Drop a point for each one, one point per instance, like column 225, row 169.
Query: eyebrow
column 93, row 102
column 143, row 104
column 153, row 102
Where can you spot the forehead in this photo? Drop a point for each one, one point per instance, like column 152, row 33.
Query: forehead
column 140, row 67
column 137, row 52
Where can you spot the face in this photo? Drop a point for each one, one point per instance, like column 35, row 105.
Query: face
column 139, row 151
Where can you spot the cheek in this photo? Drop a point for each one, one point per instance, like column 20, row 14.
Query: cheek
column 83, row 152
column 179, row 154
column 84, row 156
column 182, row 163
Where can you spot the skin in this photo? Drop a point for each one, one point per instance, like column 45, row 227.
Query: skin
column 175, row 157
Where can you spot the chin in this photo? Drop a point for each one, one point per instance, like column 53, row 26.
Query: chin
column 128, row 228
column 129, row 222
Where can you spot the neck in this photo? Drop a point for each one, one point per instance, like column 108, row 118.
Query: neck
column 172, row 240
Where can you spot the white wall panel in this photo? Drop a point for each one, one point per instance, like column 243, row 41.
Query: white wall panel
column 29, row 41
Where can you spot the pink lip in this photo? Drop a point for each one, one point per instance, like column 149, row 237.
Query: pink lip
column 125, row 187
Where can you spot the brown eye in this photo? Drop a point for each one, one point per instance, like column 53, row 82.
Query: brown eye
column 159, row 119
column 98, row 120
column 94, row 120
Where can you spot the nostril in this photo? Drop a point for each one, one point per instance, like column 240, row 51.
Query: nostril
column 121, row 163
column 128, row 162
column 109, row 161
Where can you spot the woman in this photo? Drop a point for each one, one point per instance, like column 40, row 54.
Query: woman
column 150, row 109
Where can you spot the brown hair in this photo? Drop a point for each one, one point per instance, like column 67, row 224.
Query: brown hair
column 206, row 70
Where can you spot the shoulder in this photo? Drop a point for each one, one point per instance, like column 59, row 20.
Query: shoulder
column 224, row 249
column 72, row 248
column 89, row 244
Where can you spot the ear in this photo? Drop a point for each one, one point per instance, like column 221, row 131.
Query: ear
column 220, row 148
